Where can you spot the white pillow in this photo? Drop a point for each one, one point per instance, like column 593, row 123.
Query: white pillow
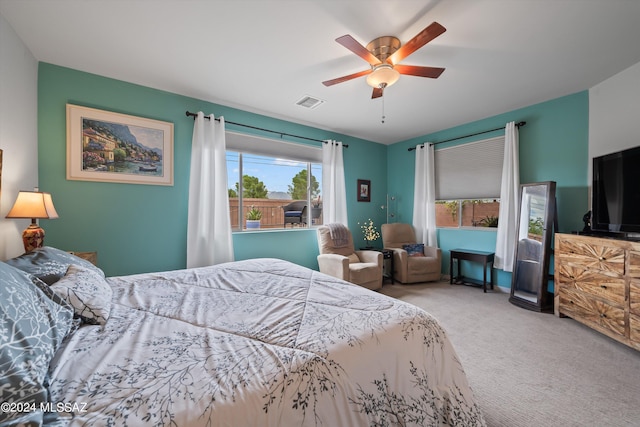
column 87, row 291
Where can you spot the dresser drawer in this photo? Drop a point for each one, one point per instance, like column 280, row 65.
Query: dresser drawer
column 592, row 311
column 609, row 288
column 634, row 297
column 634, row 323
column 633, row 268
column 608, row 259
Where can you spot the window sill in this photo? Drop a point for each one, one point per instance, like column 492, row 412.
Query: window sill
column 275, row 230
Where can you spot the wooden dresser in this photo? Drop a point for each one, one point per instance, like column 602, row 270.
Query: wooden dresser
column 597, row 283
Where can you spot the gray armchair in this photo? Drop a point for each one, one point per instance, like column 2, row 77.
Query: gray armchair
column 426, row 267
column 341, row 260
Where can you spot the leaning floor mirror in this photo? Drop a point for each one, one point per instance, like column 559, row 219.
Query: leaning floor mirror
column 536, row 221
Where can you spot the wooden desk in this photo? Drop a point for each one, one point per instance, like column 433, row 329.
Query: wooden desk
column 474, row 256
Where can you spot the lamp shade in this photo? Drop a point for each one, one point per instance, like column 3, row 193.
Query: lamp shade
column 383, row 75
column 33, row 204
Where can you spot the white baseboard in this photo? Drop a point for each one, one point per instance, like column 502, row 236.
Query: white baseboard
column 496, row 288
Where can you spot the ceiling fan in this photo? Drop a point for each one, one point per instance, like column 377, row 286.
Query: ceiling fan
column 384, row 53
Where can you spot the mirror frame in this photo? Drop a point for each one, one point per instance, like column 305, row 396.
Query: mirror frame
column 544, row 299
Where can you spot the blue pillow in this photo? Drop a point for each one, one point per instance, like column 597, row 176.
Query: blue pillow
column 32, row 328
column 49, row 264
column 414, row 249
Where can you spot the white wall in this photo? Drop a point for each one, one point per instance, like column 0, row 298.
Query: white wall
column 18, row 132
column 614, row 113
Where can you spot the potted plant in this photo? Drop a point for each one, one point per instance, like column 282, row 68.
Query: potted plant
column 370, row 233
column 253, row 217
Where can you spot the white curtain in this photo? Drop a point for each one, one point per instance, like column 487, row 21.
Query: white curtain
column 209, row 239
column 334, row 208
column 509, row 195
column 424, row 196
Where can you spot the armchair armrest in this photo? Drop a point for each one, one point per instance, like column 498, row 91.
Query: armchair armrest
column 370, row 256
column 334, row 265
column 433, row 252
column 399, row 256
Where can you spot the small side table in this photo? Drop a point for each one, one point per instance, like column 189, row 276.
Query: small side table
column 387, row 257
column 92, row 257
column 485, row 258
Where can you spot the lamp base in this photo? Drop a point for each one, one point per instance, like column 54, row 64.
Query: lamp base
column 32, row 237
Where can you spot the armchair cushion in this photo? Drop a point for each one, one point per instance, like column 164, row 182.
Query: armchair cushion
column 365, row 273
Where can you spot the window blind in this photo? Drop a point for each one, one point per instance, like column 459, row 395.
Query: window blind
column 470, row 171
column 245, row 143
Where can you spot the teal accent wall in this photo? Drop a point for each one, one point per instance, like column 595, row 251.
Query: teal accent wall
column 553, row 147
column 142, row 228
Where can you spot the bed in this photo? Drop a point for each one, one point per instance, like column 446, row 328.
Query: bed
column 259, row 342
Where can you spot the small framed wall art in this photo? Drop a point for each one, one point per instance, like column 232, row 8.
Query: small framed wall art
column 364, row 190
column 113, row 147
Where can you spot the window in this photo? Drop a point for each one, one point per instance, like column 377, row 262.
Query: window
column 280, row 181
column 468, row 179
column 467, row 213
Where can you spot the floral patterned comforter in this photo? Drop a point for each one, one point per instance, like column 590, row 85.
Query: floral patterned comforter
column 260, row 343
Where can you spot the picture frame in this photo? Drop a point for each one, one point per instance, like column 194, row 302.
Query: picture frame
column 105, row 146
column 364, row 190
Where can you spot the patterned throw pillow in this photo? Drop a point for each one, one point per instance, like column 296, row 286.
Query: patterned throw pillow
column 87, row 292
column 49, row 264
column 414, row 249
column 32, row 328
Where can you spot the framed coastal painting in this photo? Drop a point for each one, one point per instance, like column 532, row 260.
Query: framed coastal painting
column 113, row 147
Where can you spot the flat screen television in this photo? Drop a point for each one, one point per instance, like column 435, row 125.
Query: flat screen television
column 615, row 205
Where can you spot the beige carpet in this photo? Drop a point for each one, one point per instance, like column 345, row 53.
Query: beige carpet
column 530, row 369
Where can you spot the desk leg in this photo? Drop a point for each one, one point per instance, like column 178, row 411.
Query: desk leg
column 393, row 270
column 451, row 270
column 491, row 275
column 484, row 276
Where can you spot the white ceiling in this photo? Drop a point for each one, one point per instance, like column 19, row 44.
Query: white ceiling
column 264, row 55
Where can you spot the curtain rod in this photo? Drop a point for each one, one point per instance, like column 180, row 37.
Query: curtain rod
column 466, row 136
column 194, row 115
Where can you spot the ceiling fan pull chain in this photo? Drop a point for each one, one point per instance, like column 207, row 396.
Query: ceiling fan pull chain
column 383, row 117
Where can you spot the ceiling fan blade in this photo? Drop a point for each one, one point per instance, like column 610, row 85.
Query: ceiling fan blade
column 422, row 38
column 346, row 78
column 412, row 70
column 377, row 92
column 355, row 47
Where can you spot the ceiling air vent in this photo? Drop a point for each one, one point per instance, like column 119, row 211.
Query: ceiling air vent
column 309, row 102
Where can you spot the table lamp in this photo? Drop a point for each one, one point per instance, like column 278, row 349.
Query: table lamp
column 34, row 205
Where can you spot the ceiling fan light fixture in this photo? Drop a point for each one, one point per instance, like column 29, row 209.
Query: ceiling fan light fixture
column 383, row 75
